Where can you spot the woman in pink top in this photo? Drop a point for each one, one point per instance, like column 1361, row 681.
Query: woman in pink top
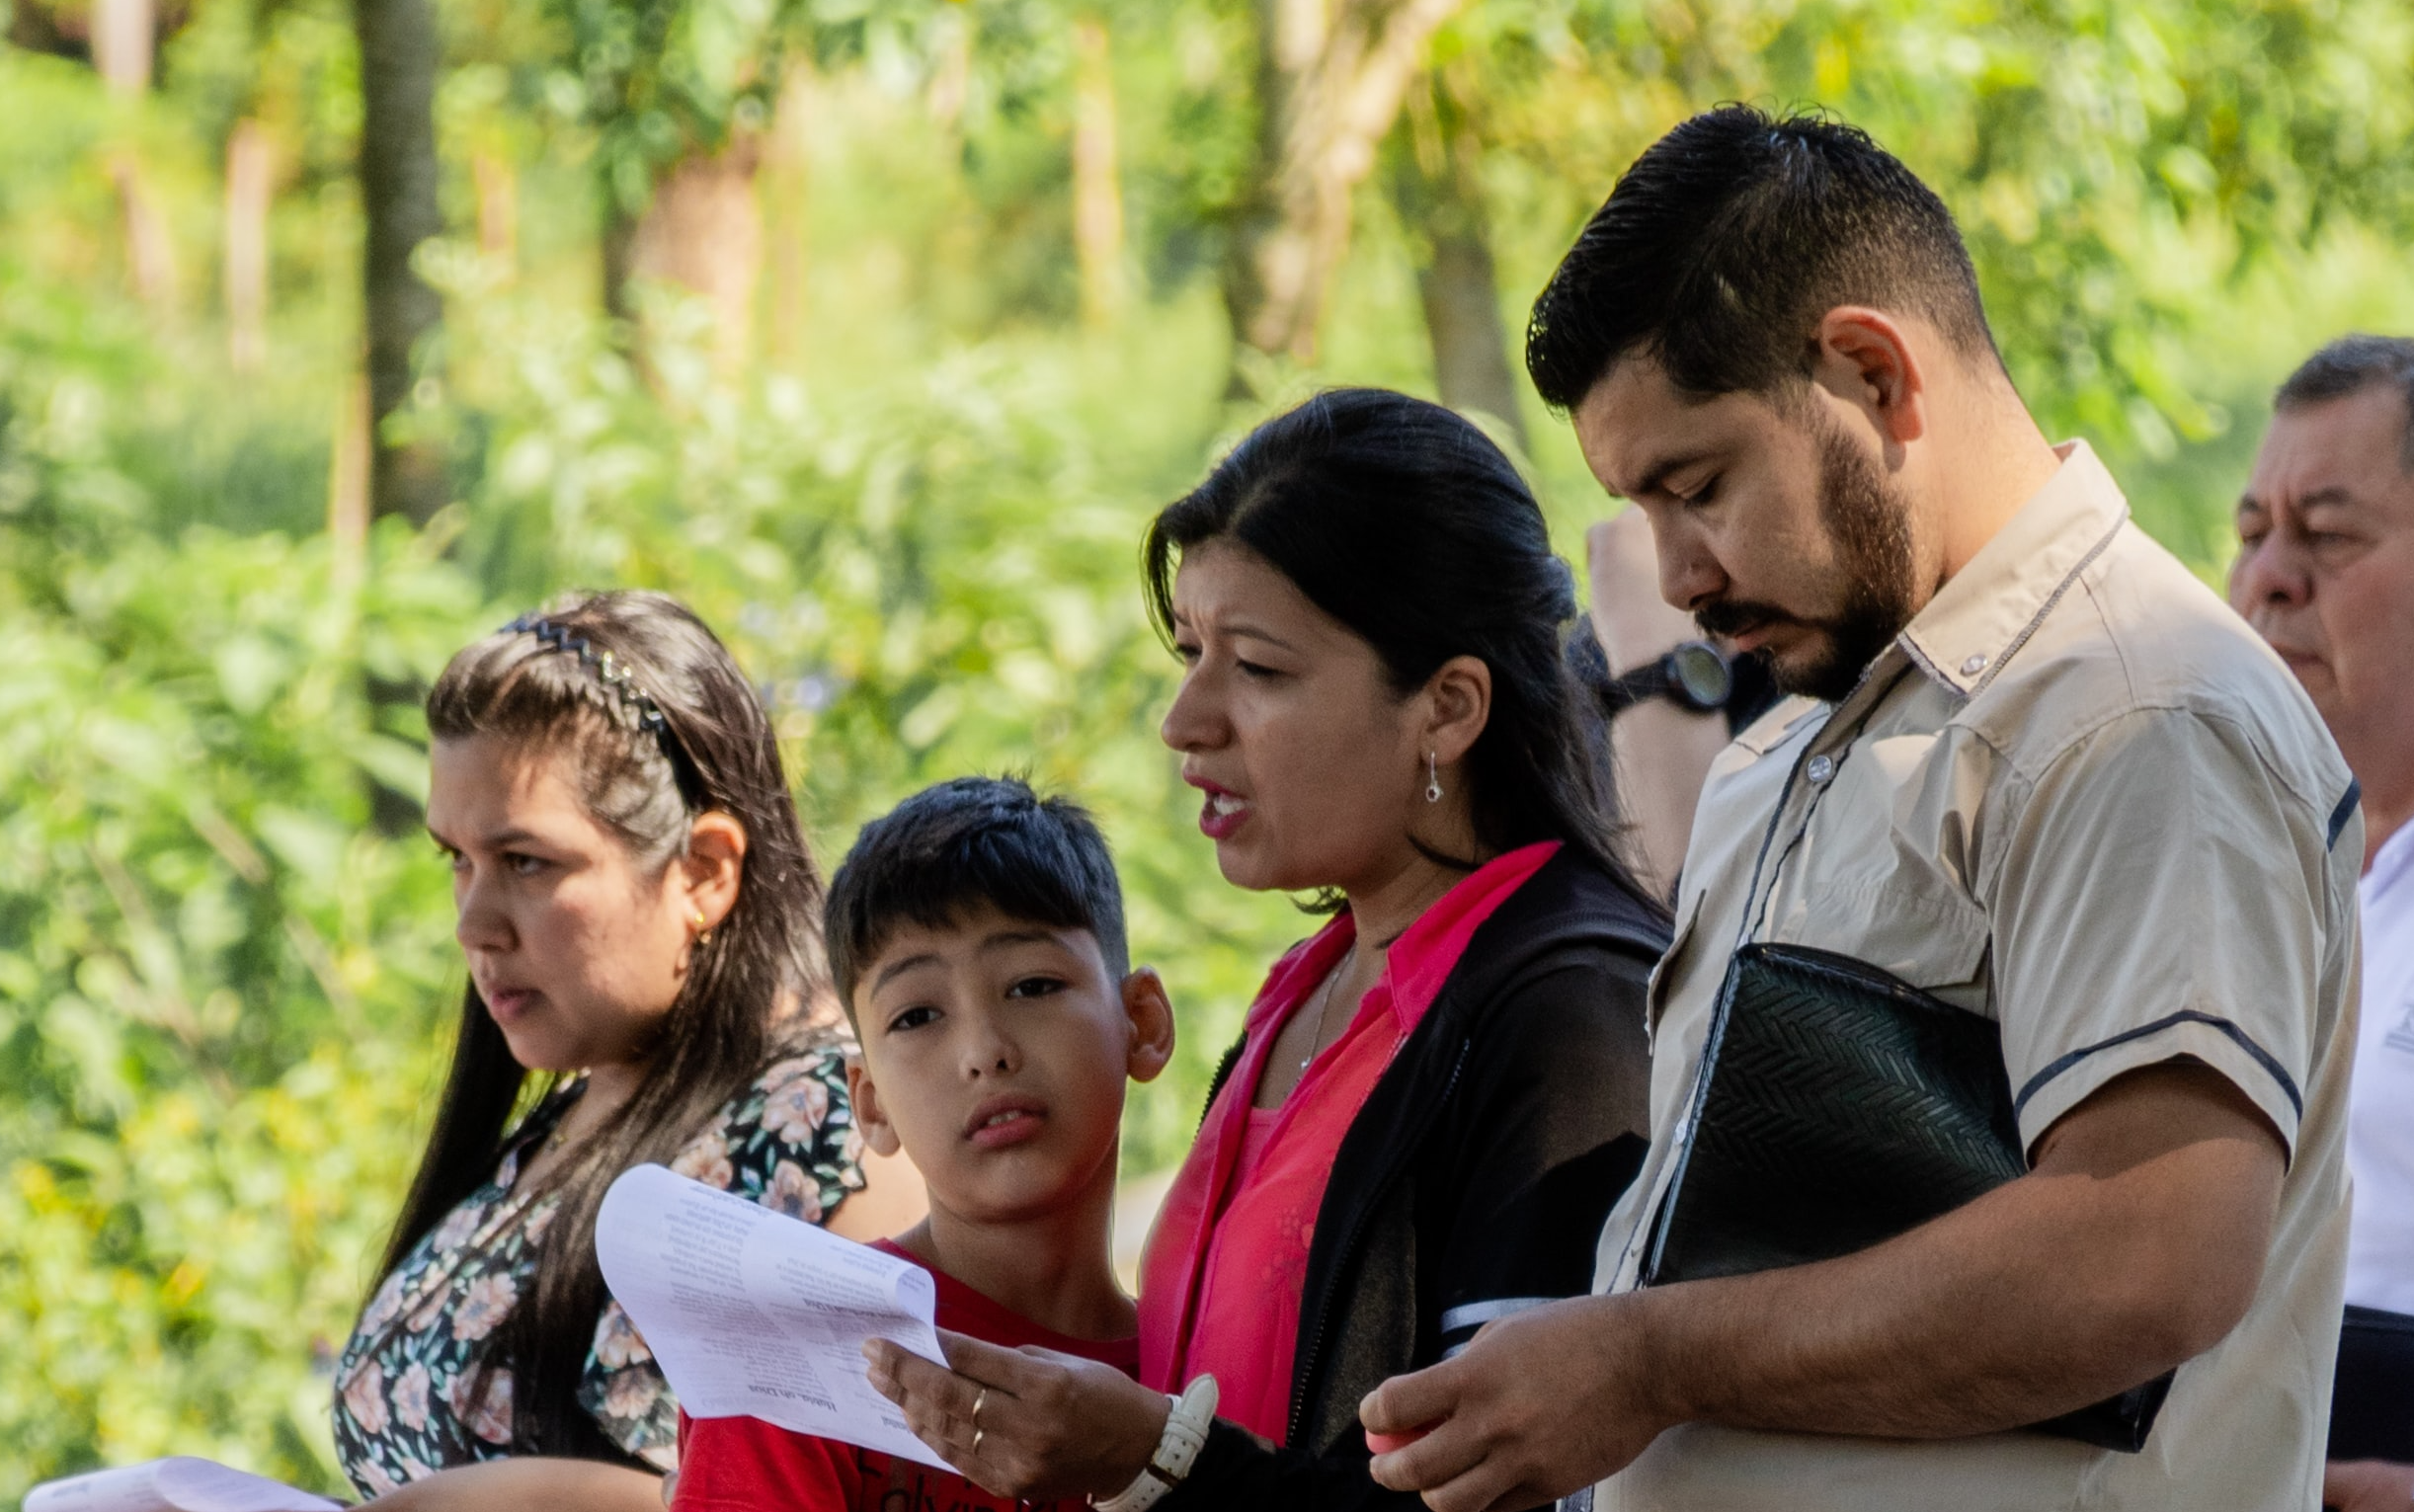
column 1439, row 1097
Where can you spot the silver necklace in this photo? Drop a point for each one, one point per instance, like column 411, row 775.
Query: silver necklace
column 1324, row 1009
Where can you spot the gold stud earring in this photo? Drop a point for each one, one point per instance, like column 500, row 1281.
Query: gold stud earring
column 703, row 929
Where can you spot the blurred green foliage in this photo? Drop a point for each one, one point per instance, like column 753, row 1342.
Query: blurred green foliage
column 224, row 998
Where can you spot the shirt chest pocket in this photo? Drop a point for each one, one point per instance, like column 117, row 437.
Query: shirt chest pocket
column 1878, row 876
column 1909, row 925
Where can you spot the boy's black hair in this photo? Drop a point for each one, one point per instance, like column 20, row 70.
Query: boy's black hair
column 1727, row 240
column 963, row 844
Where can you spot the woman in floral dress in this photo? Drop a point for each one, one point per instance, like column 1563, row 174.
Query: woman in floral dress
column 639, row 915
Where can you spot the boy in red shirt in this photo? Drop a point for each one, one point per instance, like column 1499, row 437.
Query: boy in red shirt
column 976, row 937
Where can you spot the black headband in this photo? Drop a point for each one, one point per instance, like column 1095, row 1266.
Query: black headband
column 631, row 698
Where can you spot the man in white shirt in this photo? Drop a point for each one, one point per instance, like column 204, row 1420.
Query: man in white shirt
column 2325, row 571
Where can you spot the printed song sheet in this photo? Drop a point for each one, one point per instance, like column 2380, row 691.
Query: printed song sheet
column 182, row 1483
column 752, row 1314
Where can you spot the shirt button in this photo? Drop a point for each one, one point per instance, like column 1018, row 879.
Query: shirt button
column 1975, row 666
column 1821, row 769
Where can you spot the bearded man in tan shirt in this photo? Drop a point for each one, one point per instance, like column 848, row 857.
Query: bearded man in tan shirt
column 2032, row 769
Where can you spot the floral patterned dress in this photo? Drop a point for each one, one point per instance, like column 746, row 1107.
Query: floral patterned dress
column 408, row 1398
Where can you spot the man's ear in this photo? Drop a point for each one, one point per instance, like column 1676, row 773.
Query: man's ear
column 1150, row 1014
column 1460, row 692
column 879, row 1135
column 1865, row 359
column 713, row 865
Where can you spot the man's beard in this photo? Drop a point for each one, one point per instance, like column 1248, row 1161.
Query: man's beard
column 1869, row 521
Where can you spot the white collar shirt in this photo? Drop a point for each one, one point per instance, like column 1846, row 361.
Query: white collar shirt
column 2381, row 1109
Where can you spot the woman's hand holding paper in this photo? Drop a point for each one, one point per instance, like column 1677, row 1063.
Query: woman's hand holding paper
column 1048, row 1424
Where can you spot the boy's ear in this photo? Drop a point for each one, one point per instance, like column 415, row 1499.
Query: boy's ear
column 879, row 1135
column 1151, row 1012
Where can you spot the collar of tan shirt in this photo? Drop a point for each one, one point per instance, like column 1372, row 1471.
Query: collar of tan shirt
column 1985, row 613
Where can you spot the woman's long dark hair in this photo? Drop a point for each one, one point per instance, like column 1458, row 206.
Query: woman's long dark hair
column 1404, row 522
column 714, row 751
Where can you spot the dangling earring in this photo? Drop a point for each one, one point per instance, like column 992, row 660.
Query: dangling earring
column 1433, row 778
column 703, row 931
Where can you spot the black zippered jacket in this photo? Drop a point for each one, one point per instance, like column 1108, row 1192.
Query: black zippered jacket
column 1474, row 1182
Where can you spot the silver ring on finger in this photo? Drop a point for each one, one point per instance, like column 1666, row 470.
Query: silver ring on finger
column 978, row 1434
column 980, row 1400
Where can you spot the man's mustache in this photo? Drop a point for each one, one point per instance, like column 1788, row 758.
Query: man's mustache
column 1734, row 617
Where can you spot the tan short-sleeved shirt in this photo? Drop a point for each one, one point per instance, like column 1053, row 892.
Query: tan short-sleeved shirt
column 2080, row 797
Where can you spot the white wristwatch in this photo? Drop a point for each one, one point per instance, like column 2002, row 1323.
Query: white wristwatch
column 1176, row 1451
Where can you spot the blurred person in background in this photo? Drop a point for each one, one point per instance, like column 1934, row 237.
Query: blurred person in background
column 2039, row 789
column 641, row 923
column 1676, row 698
column 2325, row 571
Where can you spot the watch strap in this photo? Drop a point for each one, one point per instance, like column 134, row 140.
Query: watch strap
column 1177, row 1450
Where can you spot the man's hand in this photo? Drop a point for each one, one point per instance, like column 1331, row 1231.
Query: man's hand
column 1540, row 1403
column 2136, row 1242
column 2368, row 1486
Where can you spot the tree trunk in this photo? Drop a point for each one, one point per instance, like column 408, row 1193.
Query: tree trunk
column 704, row 232
column 1330, row 75
column 1097, row 189
column 498, row 185
column 1462, row 301
column 250, row 189
column 399, row 50
column 950, row 86
column 399, row 53
column 348, row 468
column 1437, row 187
column 125, row 36
column 618, row 244
column 787, row 188
column 150, row 252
